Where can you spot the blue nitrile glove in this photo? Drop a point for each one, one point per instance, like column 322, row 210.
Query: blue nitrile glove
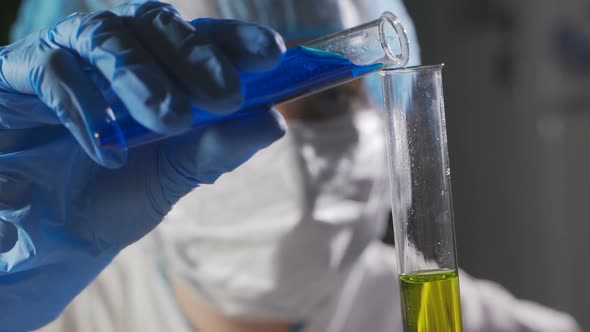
column 63, row 215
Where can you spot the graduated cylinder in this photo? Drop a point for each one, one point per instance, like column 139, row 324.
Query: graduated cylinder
column 421, row 194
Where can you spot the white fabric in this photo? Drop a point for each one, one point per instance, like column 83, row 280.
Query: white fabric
column 131, row 296
column 276, row 238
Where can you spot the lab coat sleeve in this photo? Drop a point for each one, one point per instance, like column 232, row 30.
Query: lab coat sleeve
column 130, row 295
column 370, row 301
column 488, row 307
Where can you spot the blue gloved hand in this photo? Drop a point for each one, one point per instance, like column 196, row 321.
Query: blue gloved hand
column 63, row 214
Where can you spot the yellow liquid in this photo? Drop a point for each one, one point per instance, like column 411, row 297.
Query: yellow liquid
column 431, row 301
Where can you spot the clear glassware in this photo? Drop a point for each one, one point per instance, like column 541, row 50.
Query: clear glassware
column 421, row 198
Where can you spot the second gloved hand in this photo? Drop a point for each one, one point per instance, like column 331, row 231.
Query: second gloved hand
column 63, row 215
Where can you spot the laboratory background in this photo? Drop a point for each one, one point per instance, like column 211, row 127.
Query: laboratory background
column 517, row 98
column 517, row 78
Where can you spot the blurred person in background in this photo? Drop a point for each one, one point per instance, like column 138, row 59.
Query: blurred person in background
column 289, row 241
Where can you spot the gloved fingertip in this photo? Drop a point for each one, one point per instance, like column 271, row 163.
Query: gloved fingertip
column 251, row 47
column 109, row 147
column 90, row 138
column 175, row 120
column 8, row 236
column 153, row 101
column 66, row 88
column 259, row 126
column 201, row 156
column 112, row 158
column 218, row 88
column 280, row 123
column 265, row 47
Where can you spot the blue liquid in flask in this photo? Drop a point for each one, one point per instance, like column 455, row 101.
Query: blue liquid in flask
column 301, row 71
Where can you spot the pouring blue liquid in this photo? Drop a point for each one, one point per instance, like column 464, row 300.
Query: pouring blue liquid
column 301, row 71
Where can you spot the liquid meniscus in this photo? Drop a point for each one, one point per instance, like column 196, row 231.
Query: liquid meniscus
column 301, row 71
column 431, row 301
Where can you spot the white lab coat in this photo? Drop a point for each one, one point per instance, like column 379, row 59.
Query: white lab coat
column 132, row 294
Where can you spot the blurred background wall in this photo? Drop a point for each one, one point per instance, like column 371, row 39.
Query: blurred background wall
column 517, row 87
column 7, row 15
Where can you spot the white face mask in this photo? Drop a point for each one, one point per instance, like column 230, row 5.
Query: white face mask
column 276, row 238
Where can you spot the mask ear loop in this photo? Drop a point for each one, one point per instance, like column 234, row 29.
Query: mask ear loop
column 396, row 59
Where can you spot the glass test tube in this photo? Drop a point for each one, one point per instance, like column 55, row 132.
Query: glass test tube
column 421, row 199
column 303, row 70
